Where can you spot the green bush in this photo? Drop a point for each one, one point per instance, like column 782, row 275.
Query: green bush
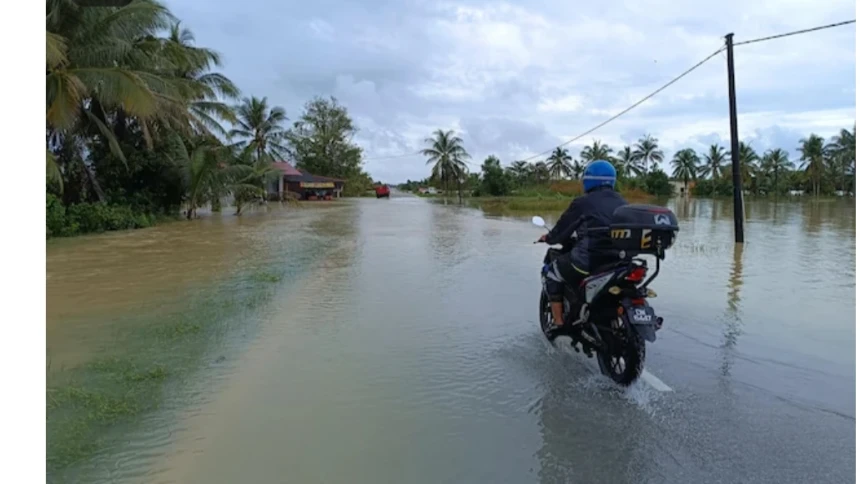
column 82, row 218
column 90, row 217
column 494, row 180
column 657, row 183
column 713, row 188
column 55, row 216
column 357, row 186
column 143, row 220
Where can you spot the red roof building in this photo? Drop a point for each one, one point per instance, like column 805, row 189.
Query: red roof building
column 304, row 185
column 286, row 168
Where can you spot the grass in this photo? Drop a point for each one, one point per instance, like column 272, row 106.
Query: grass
column 90, row 405
column 520, row 204
column 84, row 403
column 557, row 198
column 264, row 276
column 105, row 392
column 550, row 197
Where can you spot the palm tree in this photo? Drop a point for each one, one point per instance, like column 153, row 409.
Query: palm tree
column 112, row 78
column 259, row 129
column 205, row 88
column 747, row 158
column 812, row 156
column 578, row 168
column 96, row 64
column 246, row 175
column 647, row 152
column 52, row 170
column 628, row 164
column 519, row 170
column 714, row 162
column 686, row 166
column 842, row 152
column 775, row 162
column 201, row 174
column 540, row 172
column 448, row 157
column 597, row 151
column 462, row 173
column 559, row 163
column 99, row 73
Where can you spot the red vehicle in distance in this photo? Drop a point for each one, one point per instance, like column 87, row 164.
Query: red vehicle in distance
column 382, row 191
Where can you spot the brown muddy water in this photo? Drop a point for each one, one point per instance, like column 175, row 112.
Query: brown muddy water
column 394, row 341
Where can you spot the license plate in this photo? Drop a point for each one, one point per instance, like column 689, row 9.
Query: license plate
column 641, row 315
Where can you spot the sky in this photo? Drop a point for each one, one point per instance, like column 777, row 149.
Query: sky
column 516, row 79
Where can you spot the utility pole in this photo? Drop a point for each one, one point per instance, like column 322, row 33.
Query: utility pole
column 736, row 161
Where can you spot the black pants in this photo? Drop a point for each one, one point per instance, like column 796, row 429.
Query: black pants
column 564, row 271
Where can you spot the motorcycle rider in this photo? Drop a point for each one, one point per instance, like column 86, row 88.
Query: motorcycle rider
column 590, row 211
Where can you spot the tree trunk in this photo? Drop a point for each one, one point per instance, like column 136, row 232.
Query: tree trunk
column 776, row 182
column 120, row 125
column 95, row 184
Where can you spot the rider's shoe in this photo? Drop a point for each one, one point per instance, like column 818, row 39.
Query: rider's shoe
column 553, row 331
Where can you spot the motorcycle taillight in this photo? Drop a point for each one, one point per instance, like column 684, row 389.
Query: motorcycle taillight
column 636, row 275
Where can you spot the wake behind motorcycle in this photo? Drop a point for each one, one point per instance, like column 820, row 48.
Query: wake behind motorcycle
column 608, row 313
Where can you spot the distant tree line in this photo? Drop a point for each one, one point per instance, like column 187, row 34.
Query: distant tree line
column 638, row 168
column 821, row 168
column 140, row 125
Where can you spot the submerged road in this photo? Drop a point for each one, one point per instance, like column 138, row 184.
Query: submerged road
column 411, row 353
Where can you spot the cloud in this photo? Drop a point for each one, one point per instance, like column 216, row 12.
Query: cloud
column 517, row 79
column 565, row 104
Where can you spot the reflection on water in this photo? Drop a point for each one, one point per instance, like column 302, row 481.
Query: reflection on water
column 733, row 323
column 446, row 236
column 405, row 348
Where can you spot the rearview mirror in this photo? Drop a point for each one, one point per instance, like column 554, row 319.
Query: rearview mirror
column 538, row 221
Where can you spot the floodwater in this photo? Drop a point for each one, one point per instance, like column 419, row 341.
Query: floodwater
column 402, row 346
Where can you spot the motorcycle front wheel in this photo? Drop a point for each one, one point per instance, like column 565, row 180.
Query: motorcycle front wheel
column 625, row 361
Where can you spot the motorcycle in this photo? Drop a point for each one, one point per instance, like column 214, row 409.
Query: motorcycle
column 609, row 314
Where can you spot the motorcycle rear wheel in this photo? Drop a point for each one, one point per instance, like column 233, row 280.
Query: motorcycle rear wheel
column 625, row 366
column 544, row 312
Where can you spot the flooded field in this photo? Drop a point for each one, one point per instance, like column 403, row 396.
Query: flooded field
column 391, row 341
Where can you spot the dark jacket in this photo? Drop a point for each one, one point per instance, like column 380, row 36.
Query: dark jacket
column 590, row 211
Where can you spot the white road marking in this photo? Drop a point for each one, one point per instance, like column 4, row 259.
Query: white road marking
column 655, row 382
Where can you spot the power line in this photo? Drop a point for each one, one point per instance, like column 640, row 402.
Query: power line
column 796, row 32
column 649, row 96
column 604, row 123
column 654, row 93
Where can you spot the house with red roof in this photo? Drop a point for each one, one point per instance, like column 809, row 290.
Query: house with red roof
column 304, row 185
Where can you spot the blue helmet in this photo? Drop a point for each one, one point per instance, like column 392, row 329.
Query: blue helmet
column 598, row 173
